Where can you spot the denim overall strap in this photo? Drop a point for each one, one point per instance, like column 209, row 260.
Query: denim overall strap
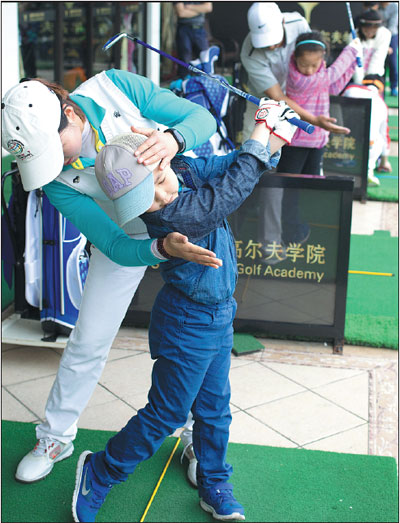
column 182, row 170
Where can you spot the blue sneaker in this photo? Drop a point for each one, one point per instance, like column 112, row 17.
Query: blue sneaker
column 221, row 503
column 394, row 92
column 89, row 495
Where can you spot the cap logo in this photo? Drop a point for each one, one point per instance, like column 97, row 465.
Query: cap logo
column 15, row 147
column 117, row 180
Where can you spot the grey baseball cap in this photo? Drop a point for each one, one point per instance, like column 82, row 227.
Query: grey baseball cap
column 129, row 184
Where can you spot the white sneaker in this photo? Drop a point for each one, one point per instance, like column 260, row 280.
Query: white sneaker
column 373, row 181
column 38, row 463
column 188, row 452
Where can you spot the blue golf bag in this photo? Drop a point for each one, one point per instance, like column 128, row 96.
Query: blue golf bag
column 211, row 95
column 56, row 265
column 214, row 97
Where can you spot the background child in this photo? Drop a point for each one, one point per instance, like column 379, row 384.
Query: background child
column 372, row 88
column 191, row 331
column 309, row 84
column 375, row 42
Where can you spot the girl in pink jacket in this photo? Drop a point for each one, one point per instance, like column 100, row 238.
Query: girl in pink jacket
column 309, row 84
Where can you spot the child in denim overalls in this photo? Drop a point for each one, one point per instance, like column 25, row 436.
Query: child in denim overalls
column 191, row 331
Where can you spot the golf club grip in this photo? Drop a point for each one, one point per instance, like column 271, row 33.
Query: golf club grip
column 304, row 126
column 354, row 35
column 301, row 124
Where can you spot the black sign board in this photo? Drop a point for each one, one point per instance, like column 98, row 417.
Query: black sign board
column 348, row 154
column 295, row 286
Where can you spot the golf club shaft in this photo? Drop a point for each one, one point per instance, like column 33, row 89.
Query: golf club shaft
column 305, row 126
column 353, row 30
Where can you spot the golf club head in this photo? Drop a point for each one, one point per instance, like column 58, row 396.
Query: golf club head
column 113, row 40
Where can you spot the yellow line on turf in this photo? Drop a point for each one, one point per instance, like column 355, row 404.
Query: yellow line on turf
column 160, row 480
column 372, row 273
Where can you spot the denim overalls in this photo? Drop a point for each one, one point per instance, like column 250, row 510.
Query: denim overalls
column 191, row 333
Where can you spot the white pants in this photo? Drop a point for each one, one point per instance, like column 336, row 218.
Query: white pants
column 108, row 292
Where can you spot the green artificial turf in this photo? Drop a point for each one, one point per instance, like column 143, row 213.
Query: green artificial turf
column 245, row 344
column 392, row 101
column 273, row 484
column 372, row 301
column 388, row 190
column 394, row 127
column 49, row 500
column 291, row 485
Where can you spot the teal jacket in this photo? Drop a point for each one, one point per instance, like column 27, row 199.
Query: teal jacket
column 194, row 122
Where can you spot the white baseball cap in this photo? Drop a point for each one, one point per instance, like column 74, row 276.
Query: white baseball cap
column 31, row 115
column 129, row 184
column 265, row 24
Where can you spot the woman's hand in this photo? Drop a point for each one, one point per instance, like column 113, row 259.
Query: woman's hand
column 178, row 245
column 329, row 123
column 158, row 147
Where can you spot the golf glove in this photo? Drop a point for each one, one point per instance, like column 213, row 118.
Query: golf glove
column 283, row 128
column 268, row 112
column 356, row 43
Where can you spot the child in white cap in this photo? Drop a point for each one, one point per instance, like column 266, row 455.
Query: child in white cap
column 379, row 141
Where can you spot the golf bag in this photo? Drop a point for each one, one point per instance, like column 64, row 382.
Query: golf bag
column 215, row 98
column 236, row 107
column 56, row 265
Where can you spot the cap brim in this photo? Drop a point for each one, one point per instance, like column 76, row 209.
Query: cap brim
column 135, row 202
column 267, row 39
column 41, row 170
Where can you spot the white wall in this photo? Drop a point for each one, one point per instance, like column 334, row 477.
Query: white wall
column 153, row 31
column 9, row 48
column 9, row 45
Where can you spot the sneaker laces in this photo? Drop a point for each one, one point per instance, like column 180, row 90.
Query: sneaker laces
column 225, row 494
column 43, row 446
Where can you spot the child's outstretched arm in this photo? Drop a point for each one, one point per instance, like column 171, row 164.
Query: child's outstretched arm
column 343, row 68
column 321, row 120
column 210, row 204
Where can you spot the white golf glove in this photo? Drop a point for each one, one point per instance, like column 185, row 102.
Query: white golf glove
column 356, row 43
column 283, row 128
column 269, row 112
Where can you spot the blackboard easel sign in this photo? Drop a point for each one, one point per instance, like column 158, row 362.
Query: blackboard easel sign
column 347, row 155
column 302, row 293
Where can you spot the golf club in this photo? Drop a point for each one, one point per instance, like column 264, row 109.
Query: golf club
column 353, row 30
column 305, row 126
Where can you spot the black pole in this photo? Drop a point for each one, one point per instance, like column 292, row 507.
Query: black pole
column 117, row 29
column 59, row 42
column 89, row 58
